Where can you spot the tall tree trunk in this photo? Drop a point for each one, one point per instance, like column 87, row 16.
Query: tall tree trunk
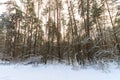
column 88, row 19
column 58, row 31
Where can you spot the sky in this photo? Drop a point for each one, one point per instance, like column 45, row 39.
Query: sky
column 2, row 7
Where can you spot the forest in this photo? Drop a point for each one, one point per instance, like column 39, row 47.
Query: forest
column 63, row 31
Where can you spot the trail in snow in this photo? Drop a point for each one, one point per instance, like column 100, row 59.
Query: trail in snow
column 56, row 72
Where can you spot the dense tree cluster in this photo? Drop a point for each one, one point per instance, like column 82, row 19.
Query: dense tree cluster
column 69, row 31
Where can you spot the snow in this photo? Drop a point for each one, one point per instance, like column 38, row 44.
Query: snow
column 56, row 72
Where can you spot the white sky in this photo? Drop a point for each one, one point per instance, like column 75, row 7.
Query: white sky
column 2, row 7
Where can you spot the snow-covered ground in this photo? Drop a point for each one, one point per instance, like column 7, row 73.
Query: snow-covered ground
column 56, row 72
